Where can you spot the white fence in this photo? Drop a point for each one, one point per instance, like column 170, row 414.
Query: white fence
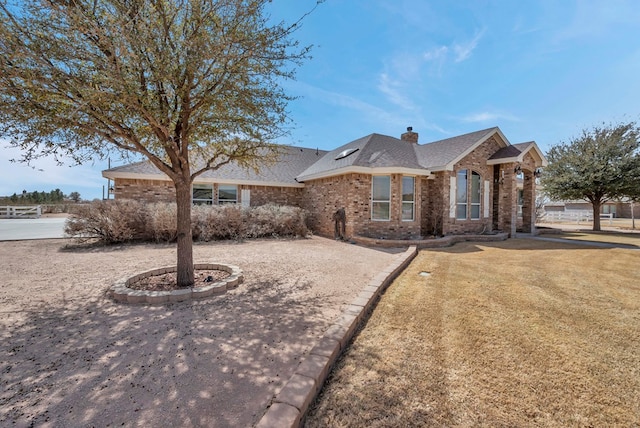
column 572, row 216
column 20, row 211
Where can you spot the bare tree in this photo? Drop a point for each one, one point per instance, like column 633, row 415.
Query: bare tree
column 190, row 84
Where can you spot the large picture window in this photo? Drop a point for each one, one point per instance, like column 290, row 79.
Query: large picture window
column 202, row 194
column 227, row 194
column 381, row 197
column 408, row 198
column 468, row 195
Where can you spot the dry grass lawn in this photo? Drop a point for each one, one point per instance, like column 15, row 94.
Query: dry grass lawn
column 516, row 333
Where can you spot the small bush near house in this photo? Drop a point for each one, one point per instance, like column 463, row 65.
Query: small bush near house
column 161, row 222
column 110, row 221
column 120, row 221
column 276, row 220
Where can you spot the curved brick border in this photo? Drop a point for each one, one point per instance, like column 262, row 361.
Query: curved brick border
column 121, row 292
column 445, row 241
column 290, row 406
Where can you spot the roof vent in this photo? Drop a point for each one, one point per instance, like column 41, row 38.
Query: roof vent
column 343, row 154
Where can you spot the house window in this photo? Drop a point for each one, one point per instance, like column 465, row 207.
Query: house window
column 468, row 195
column 408, row 198
column 461, row 195
column 475, row 196
column 202, row 194
column 381, row 197
column 227, row 194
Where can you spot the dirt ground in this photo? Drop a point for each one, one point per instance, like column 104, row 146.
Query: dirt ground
column 70, row 356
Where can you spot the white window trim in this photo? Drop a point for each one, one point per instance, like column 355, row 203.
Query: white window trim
column 245, row 198
column 487, row 188
column 452, row 195
column 388, row 201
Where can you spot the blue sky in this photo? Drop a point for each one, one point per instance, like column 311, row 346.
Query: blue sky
column 540, row 70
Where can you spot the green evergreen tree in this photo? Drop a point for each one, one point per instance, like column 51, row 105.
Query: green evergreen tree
column 600, row 165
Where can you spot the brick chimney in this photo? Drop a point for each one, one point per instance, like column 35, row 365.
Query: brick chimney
column 410, row 136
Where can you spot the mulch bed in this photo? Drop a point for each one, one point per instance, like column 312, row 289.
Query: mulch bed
column 168, row 281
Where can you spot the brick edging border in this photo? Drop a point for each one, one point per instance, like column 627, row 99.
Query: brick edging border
column 445, row 241
column 120, row 291
column 290, row 405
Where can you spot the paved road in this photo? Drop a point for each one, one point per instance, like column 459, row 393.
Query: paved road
column 31, row 228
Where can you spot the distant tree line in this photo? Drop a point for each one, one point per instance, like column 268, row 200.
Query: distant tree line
column 53, row 197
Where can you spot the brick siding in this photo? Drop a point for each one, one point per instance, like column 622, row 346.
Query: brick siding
column 323, row 197
column 261, row 195
column 144, row 190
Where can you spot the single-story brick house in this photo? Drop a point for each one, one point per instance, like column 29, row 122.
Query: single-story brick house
column 388, row 187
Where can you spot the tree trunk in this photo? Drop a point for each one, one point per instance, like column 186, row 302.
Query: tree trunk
column 596, row 215
column 185, row 239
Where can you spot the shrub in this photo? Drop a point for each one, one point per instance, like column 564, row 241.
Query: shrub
column 276, row 220
column 119, row 221
column 112, row 222
column 162, row 222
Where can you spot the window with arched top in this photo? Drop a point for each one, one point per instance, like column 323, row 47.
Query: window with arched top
column 468, row 195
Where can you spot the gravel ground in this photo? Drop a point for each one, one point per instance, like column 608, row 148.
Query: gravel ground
column 70, row 356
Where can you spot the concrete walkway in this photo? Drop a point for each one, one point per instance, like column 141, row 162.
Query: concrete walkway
column 31, row 228
column 577, row 242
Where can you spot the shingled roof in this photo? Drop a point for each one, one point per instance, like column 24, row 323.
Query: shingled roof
column 374, row 153
column 383, row 152
column 515, row 153
column 291, row 163
column 443, row 154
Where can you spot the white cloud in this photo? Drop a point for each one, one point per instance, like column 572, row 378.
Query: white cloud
column 487, row 116
column 436, row 54
column 389, row 119
column 464, row 50
column 393, row 89
column 456, row 52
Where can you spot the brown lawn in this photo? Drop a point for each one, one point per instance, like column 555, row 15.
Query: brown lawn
column 517, row 333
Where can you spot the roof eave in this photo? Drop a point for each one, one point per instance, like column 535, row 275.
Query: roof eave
column 162, row 177
column 112, row 175
column 366, row 170
column 542, row 161
column 504, row 160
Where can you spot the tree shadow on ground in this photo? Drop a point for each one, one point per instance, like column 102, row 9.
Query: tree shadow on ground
column 215, row 362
